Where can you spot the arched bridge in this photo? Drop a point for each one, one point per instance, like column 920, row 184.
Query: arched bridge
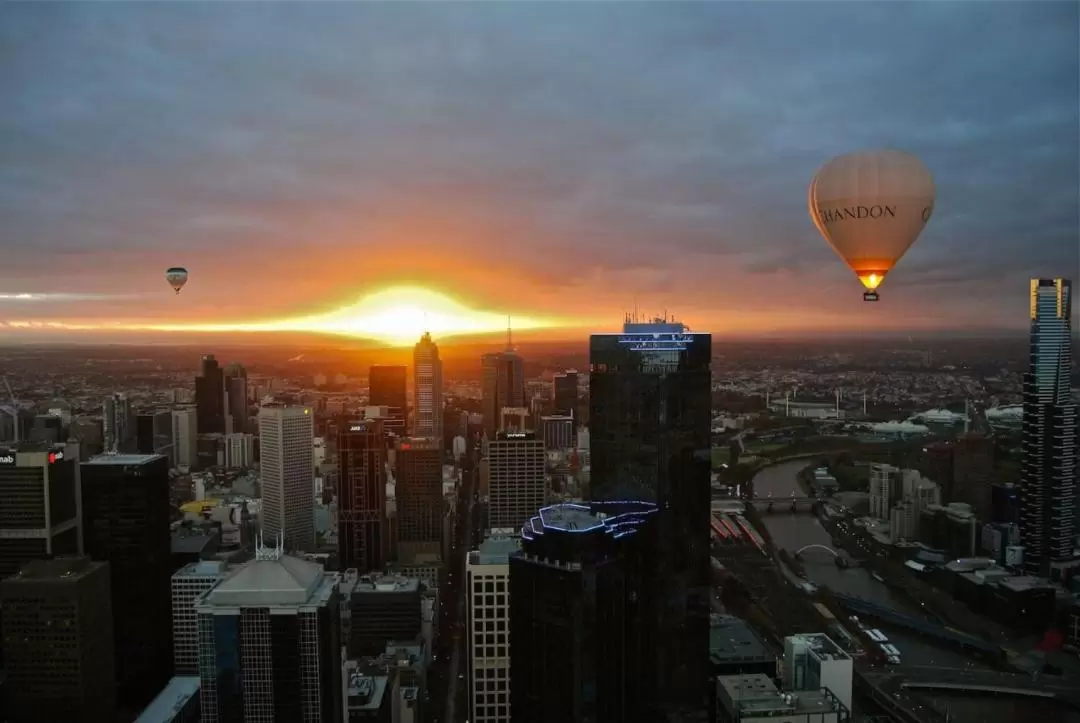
column 826, row 548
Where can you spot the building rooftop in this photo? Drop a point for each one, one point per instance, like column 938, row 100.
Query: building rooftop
column 757, row 696
column 123, row 459
column 614, row 518
column 495, row 551
column 173, row 697
column 822, row 646
column 285, row 581
column 192, row 540
column 387, row 583
column 202, row 568
column 57, row 569
column 365, row 692
column 731, row 639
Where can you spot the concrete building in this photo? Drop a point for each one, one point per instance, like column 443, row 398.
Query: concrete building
column 419, row 496
column 502, row 385
column 558, row 432
column 813, row 662
column 58, row 642
column 735, row 649
column 487, row 585
column 117, row 423
column 185, row 430
column 239, row 450
column 269, row 643
column 177, row 703
column 742, row 698
column 287, row 467
column 188, row 585
column 516, row 482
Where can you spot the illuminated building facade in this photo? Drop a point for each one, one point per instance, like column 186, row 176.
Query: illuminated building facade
column 427, row 387
column 487, row 581
column 649, row 430
column 1048, row 471
column 582, row 597
column 517, row 486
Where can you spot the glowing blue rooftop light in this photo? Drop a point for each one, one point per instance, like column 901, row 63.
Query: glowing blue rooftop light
column 572, row 517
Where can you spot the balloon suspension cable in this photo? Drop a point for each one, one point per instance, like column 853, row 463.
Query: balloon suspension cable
column 870, row 296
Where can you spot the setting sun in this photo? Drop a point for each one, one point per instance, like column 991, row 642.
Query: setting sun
column 396, row 316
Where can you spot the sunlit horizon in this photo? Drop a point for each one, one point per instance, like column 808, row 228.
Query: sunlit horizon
column 397, row 316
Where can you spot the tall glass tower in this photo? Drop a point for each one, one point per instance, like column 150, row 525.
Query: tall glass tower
column 1048, row 474
column 649, row 424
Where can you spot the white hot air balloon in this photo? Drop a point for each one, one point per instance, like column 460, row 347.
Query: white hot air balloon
column 177, row 277
column 871, row 206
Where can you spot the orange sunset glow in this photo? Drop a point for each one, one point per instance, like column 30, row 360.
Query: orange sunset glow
column 396, row 316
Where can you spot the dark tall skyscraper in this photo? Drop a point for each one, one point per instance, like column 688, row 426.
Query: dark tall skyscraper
column 649, row 425
column 361, row 452
column 1048, row 472
column 236, row 392
column 126, row 515
column 58, row 639
column 386, row 388
column 581, row 605
column 419, row 499
column 210, row 397
column 503, row 385
column 565, row 392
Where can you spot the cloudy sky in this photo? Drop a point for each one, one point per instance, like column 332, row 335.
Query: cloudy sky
column 544, row 159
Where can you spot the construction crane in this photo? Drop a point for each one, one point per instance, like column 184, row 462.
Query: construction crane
column 14, row 408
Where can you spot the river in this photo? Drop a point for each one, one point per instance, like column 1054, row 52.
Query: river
column 793, row 531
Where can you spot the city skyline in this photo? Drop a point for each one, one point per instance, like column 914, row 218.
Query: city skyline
column 560, row 166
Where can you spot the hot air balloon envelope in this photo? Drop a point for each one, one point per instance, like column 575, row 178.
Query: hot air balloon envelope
column 176, row 276
column 871, row 206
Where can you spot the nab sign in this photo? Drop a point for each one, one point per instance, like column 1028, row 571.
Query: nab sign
column 7, row 460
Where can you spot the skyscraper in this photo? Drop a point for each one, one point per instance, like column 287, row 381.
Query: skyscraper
column 516, row 481
column 185, row 437
column 503, row 385
column 427, row 388
column 565, row 393
column 287, row 466
column 649, row 430
column 126, row 514
column 361, row 496
column 210, row 397
column 386, row 388
column 40, row 515
column 58, row 642
column 487, row 585
column 188, row 584
column 236, row 397
column 419, row 497
column 117, row 423
column 581, row 605
column 1048, row 471
column 270, row 644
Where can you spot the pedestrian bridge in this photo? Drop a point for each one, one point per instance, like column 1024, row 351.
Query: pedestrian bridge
column 783, row 505
column 807, row 548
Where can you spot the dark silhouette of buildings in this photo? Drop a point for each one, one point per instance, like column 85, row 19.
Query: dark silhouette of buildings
column 649, row 425
column 58, row 641
column 236, row 397
column 126, row 515
column 210, row 397
column 502, row 385
column 582, row 602
column 387, row 388
column 418, row 468
column 361, row 449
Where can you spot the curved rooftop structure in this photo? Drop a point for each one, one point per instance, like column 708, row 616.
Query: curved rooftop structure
column 614, row 519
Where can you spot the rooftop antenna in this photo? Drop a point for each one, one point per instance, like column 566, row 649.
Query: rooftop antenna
column 509, row 336
column 427, row 330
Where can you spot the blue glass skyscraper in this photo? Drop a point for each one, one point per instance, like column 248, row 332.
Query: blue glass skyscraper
column 1048, row 473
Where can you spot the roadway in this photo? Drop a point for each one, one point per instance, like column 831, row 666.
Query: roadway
column 457, row 614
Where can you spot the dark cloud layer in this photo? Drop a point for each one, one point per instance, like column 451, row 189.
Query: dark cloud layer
column 608, row 150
